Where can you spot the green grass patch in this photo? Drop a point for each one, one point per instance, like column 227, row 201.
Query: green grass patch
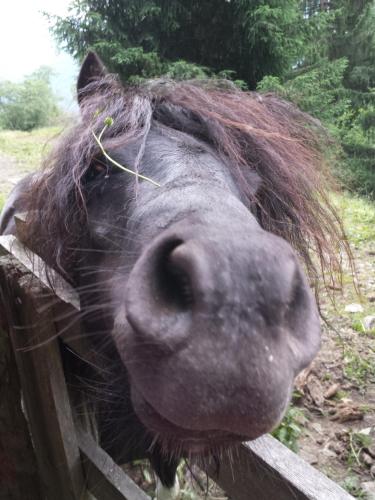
column 357, row 325
column 27, row 148
column 358, row 215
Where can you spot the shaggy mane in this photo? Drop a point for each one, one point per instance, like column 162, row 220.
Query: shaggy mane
column 260, row 133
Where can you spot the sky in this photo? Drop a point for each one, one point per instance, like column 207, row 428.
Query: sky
column 26, row 44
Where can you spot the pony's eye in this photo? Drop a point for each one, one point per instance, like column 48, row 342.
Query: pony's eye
column 98, row 168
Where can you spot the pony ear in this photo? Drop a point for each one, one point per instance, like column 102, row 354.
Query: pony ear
column 91, row 69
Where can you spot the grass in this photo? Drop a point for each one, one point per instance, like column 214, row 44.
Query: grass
column 357, row 442
column 357, row 368
column 358, row 325
column 358, row 215
column 352, row 485
column 27, row 148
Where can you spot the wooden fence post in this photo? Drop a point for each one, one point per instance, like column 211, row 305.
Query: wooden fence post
column 19, row 478
column 35, row 318
column 44, row 391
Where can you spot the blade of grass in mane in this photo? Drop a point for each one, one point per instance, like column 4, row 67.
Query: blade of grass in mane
column 118, row 165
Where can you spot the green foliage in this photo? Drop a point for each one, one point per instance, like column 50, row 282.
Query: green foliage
column 353, row 36
column 334, row 82
column 361, row 77
column 357, row 368
column 154, row 37
column 271, row 83
column 291, row 428
column 182, row 70
column 344, row 28
column 353, row 486
column 29, row 104
column 356, row 443
column 357, row 172
column 318, row 90
column 357, row 325
column 275, row 35
column 318, row 26
column 366, row 120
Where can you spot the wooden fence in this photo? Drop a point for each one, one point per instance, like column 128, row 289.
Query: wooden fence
column 45, row 454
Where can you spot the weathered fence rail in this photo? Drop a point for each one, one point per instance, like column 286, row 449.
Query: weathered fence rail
column 63, row 462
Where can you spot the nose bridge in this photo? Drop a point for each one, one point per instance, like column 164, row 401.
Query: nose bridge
column 194, row 206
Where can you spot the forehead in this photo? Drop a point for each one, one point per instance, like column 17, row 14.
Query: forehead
column 171, row 155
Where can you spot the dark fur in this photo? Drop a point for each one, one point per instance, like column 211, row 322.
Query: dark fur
column 266, row 154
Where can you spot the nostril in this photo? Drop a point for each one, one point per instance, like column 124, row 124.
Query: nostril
column 159, row 295
column 172, row 281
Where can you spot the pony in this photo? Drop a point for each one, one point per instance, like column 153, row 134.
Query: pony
column 194, row 266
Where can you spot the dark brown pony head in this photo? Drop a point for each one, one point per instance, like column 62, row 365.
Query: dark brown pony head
column 198, row 282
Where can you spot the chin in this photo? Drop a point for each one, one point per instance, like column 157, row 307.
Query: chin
column 180, row 441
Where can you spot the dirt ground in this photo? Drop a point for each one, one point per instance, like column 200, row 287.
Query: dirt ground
column 334, row 424
column 338, row 391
